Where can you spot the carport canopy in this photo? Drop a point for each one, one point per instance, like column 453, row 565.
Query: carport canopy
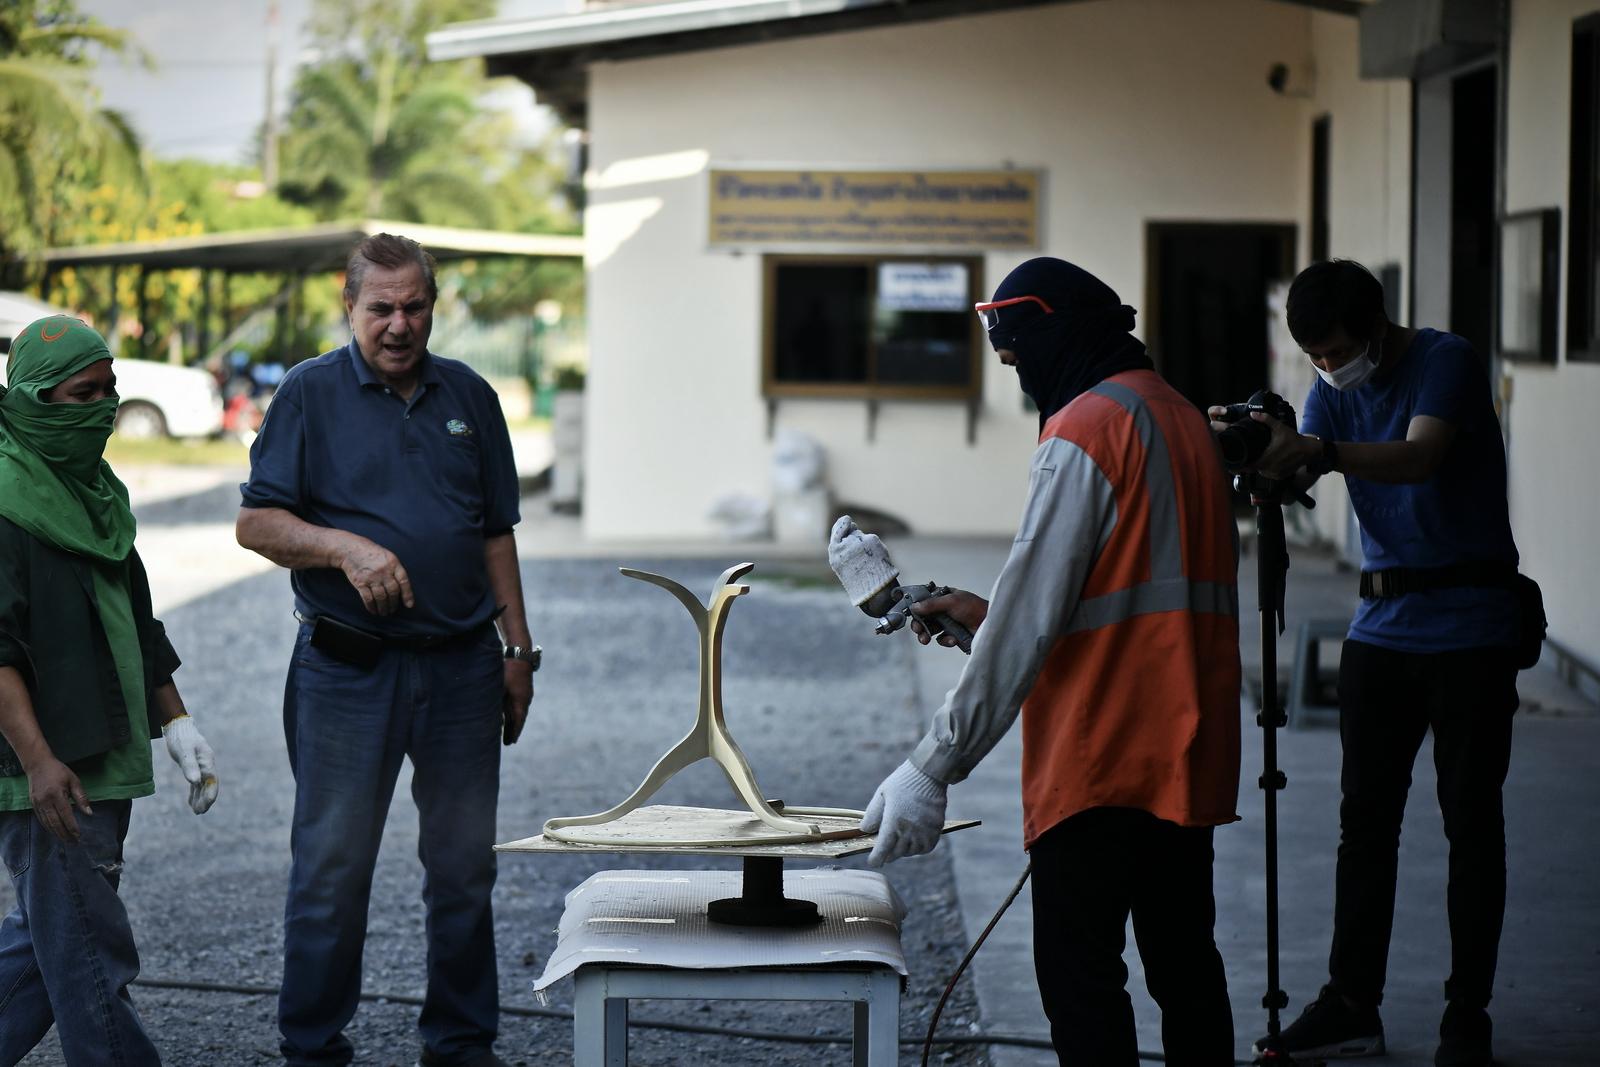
column 294, row 252
column 304, row 249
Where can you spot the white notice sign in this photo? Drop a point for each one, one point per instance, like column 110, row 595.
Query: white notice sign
column 923, row 287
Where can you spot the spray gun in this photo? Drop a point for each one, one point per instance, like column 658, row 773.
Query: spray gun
column 873, row 583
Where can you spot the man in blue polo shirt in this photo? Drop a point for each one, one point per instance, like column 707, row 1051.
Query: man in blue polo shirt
column 383, row 479
column 1406, row 416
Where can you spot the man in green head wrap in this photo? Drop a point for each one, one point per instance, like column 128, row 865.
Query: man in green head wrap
column 85, row 685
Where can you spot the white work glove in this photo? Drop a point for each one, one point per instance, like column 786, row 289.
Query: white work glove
column 907, row 814
column 860, row 560
column 190, row 751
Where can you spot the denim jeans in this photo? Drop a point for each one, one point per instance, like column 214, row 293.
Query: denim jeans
column 1388, row 701
column 1090, row 872
column 348, row 728
column 66, row 951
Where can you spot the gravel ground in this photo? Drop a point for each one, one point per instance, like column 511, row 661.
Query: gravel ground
column 822, row 710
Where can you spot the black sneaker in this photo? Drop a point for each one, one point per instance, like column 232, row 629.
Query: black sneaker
column 476, row 1058
column 1330, row 1028
column 1465, row 1037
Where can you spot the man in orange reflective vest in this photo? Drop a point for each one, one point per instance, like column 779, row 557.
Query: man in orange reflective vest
column 1113, row 628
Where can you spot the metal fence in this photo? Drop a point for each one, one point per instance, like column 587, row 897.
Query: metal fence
column 524, row 349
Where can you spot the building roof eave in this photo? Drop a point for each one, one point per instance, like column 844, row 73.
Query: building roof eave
column 497, row 37
column 553, row 53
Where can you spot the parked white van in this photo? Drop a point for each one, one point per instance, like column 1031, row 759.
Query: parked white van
column 158, row 399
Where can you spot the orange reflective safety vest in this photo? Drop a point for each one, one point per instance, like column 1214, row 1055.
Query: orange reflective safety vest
column 1137, row 704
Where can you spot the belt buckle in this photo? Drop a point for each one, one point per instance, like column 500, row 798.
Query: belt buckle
column 1380, row 585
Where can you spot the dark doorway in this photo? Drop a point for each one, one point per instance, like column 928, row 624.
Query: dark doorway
column 1207, row 304
column 1454, row 161
column 1474, row 110
column 1321, row 134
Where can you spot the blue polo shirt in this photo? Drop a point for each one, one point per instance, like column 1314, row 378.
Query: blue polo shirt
column 428, row 479
column 1459, row 515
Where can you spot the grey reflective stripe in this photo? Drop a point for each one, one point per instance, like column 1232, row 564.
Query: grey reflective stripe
column 1168, row 589
column 1166, row 546
column 1148, row 598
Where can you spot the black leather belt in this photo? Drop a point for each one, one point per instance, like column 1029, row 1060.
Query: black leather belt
column 1398, row 581
column 419, row 643
column 430, row 642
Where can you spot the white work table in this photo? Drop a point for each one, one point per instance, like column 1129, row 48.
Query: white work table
column 630, row 934
column 812, row 934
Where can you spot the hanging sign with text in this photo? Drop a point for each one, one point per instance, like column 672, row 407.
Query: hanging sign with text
column 875, row 209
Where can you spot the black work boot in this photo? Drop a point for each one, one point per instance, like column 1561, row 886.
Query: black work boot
column 1331, row 1027
column 1465, row 1037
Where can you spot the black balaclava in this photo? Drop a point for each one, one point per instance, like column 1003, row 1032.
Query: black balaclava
column 1084, row 341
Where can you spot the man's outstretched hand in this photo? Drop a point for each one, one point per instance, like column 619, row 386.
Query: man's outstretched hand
column 907, row 814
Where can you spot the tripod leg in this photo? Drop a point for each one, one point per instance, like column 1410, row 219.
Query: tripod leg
column 1272, row 564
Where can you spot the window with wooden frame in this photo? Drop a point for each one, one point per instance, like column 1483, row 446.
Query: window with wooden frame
column 1529, row 278
column 1583, row 216
column 871, row 327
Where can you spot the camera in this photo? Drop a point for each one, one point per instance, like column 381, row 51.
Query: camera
column 1245, row 439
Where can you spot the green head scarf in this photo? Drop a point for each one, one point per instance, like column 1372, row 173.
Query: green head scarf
column 54, row 481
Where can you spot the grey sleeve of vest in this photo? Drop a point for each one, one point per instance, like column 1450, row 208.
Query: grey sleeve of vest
column 1070, row 513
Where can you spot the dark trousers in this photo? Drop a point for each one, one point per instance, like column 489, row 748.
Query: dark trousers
column 1387, row 701
column 1089, row 872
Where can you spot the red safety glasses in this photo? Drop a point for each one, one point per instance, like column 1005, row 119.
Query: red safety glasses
column 990, row 312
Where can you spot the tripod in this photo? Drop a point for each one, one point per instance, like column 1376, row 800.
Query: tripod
column 1267, row 496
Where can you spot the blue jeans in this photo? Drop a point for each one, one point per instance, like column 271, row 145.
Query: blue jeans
column 66, row 951
column 348, row 728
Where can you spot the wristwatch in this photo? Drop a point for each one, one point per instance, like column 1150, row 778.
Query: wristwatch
column 1327, row 460
column 530, row 656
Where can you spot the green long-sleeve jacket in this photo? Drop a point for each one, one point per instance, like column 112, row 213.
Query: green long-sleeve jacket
column 50, row 630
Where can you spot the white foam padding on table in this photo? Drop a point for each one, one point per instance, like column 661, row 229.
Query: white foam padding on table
column 658, row 919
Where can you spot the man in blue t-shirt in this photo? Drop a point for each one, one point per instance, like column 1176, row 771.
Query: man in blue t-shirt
column 1406, row 416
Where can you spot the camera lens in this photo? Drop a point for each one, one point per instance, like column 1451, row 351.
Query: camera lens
column 1243, row 442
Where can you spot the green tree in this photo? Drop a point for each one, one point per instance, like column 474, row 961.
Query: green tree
column 376, row 130
column 56, row 142
column 184, row 197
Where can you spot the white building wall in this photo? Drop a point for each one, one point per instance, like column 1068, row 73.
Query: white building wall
column 1550, row 414
column 1369, row 207
column 1135, row 110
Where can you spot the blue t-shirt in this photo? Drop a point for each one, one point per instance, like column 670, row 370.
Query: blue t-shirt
column 1459, row 515
column 429, row 479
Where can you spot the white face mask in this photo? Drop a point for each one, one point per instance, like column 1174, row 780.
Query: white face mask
column 1352, row 375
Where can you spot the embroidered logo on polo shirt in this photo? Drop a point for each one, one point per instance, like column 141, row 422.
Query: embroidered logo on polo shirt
column 458, row 428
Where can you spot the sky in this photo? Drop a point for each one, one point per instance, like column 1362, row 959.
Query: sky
column 206, row 96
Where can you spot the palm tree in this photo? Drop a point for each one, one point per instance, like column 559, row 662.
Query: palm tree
column 362, row 142
column 376, row 130
column 53, row 134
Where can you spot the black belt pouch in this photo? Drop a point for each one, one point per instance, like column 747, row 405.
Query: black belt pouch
column 1530, row 609
column 346, row 643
